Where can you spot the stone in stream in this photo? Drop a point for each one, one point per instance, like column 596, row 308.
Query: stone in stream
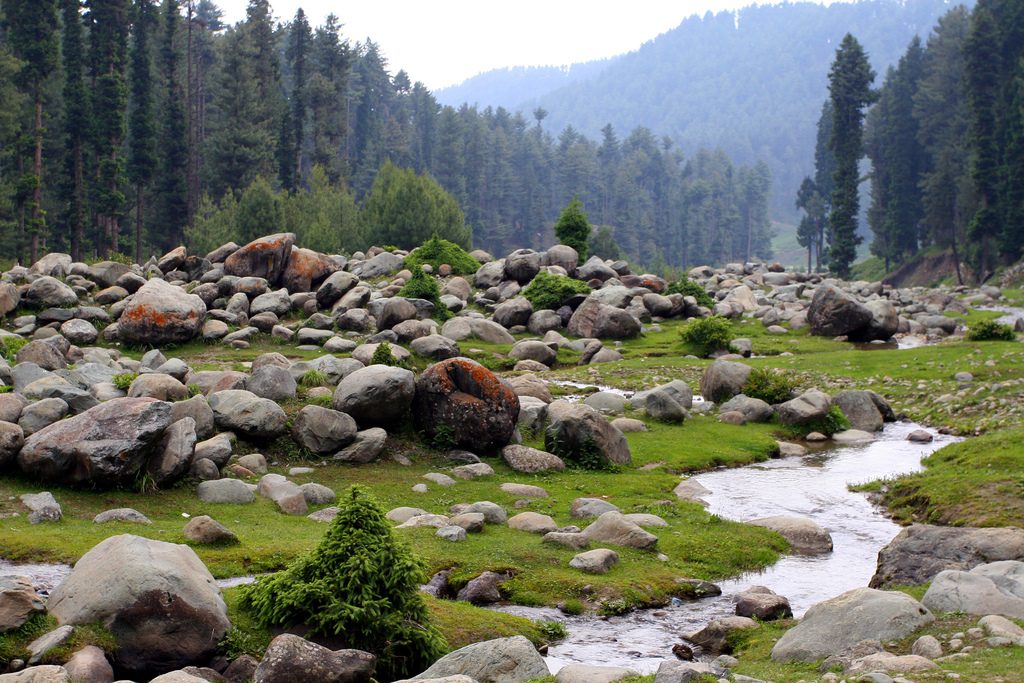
column 805, row 537
column 18, row 601
column 713, row 637
column 763, row 604
column 503, row 660
column 586, row 673
column 483, row 590
column 723, row 379
column 807, row 407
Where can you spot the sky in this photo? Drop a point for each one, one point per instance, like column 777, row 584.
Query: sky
column 444, row 42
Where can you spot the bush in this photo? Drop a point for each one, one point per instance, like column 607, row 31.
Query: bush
column 124, row 380
column 770, row 386
column 382, row 356
column 688, row 287
column 573, row 228
column 551, row 291
column 424, row 286
column 314, row 378
column 437, row 251
column 834, row 421
column 10, row 345
column 707, row 335
column 990, row 330
column 360, row 584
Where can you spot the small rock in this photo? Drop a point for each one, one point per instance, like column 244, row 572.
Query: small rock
column 597, row 561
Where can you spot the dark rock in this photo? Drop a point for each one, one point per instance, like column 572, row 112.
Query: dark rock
column 580, row 434
column 723, row 379
column 291, row 658
column 833, row 312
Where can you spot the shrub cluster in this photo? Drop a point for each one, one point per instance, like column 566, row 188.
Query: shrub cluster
column 990, row 330
column 382, row 355
column 360, row 584
column 688, row 287
column 124, row 380
column 10, row 345
column 770, row 386
column 548, row 291
column 424, row 286
column 437, row 251
column 707, row 335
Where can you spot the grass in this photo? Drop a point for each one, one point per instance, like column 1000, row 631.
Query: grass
column 979, row 482
column 14, row 644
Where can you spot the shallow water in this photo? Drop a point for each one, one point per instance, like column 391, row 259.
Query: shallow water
column 812, row 486
column 1011, row 314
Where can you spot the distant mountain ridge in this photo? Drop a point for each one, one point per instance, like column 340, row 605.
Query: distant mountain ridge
column 750, row 82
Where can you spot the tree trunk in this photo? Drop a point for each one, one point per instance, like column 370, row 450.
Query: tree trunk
column 77, row 224
column 37, row 170
column 140, row 210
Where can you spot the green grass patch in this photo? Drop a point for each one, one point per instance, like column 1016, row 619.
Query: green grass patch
column 978, row 482
column 702, row 443
column 14, row 644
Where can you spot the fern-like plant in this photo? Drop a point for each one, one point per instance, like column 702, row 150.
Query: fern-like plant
column 360, row 584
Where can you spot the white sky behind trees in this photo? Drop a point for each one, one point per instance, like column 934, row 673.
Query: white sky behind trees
column 444, row 42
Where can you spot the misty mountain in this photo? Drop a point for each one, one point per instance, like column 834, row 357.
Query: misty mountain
column 512, row 86
column 750, row 82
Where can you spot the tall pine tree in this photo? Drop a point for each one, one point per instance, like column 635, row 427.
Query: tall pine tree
column 142, row 157
column 73, row 190
column 171, row 186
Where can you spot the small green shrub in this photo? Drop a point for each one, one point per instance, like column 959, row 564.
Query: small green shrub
column 573, row 607
column 553, row 630
column 6, row 388
column 313, row 378
column 422, row 285
column 437, row 251
column 443, row 438
column 707, row 335
column 771, row 386
column 688, row 287
column 124, row 380
column 834, row 421
column 548, row 291
column 237, row 642
column 990, row 330
column 360, row 583
column 382, row 355
column 10, row 345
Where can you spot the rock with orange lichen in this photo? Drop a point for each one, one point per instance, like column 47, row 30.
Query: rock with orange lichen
column 160, row 313
column 466, row 403
column 265, row 257
column 306, row 270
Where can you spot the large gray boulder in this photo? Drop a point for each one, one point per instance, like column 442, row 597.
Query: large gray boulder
column 305, row 269
column 376, row 395
column 530, row 460
column 884, row 323
column 159, row 314
column 10, row 298
column 752, row 409
column 860, row 409
column 723, row 379
column 174, row 452
column 265, row 257
column 103, row 447
column 323, row 430
column 12, row 438
column 807, row 407
column 158, row 600
column 613, row 527
column 833, row 312
column 503, row 660
column 18, row 601
column 291, row 658
column 995, row 588
column 836, row 625
column 522, row 265
column 383, row 263
column 49, row 292
column 921, row 551
column 466, row 403
column 513, row 312
column 581, row 435
column 601, row 321
column 245, row 413
column 804, row 535
column 272, row 382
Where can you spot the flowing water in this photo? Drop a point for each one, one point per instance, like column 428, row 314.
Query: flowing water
column 813, row 486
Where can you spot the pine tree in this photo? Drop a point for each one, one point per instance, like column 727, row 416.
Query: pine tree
column 850, row 90
column 360, row 584
column 573, row 228
column 32, row 32
column 172, row 168
column 142, row 157
column 73, row 189
column 299, row 39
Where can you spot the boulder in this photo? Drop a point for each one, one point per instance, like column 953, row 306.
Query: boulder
column 807, row 407
column 47, row 292
column 323, row 430
column 383, row 263
column 482, row 590
column 762, row 604
column 10, row 298
column 158, row 600
column 612, row 527
column 600, row 321
column 43, row 507
column 160, row 314
column 174, row 453
column 836, row 625
column 376, row 395
column 12, row 438
column 272, row 382
column 860, row 409
column 533, row 350
column 246, row 413
column 714, row 637
column 205, row 530
column 46, row 673
column 159, row 386
column 582, row 508
column 435, row 347
column 884, row 323
column 833, row 312
column 334, row 287
column 466, row 403
column 126, row 515
column 305, row 269
column 42, row 353
column 234, row 491
column 723, row 379
column 291, row 658
column 597, row 561
column 532, row 522
column 586, row 673
column 90, row 665
column 804, row 536
column 103, row 447
column 580, row 434
column 503, row 660
column 994, row 588
column 522, row 265
column 920, row 552
column 366, row 448
column 530, row 460
column 752, row 409
column 265, row 257
column 18, row 601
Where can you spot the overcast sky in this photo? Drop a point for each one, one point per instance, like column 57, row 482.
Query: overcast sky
column 444, row 42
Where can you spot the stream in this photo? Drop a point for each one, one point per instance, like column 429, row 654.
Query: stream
column 812, row 486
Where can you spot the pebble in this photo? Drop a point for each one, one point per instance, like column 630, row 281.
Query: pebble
column 419, row 488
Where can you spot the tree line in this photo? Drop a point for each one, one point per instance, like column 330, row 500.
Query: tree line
column 945, row 139
column 132, row 126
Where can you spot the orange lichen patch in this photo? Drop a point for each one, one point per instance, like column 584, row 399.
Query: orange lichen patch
column 653, row 285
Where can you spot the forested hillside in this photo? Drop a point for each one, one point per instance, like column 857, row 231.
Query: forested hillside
column 131, row 126
column 749, row 82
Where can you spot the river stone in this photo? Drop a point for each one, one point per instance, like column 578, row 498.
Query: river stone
column 920, row 436
column 763, row 605
column 833, row 312
column 205, row 530
column 47, row 291
column 90, row 665
column 583, row 508
column 645, row 519
column 580, row 434
column 42, row 353
column 503, row 660
column 532, row 522
column 199, row 410
column 41, row 414
column 515, row 311
column 530, row 460
column 713, row 637
column 613, row 527
column 723, row 379
column 860, row 409
column 835, row 625
column 104, row 446
column 994, row 588
column 523, row 490
column 594, row 319
column 11, row 406
column 217, row 449
column 401, row 515
column 18, row 601
column 318, row 494
column 12, row 438
column 265, row 257
column 46, row 673
column 597, row 561
column 323, row 430
column 376, row 395
column 482, row 590
column 225, row 491
column 246, row 413
column 674, row 671
column 1001, row 627
column 160, row 314
column 921, row 551
column 629, row 424
column 79, row 332
column 126, row 515
column 467, row 403
column 474, row 471
column 291, row 658
column 158, row 600
column 367, row 446
column 607, row 402
column 471, row 522
column 927, row 646
column 884, row 322
column 851, row 437
column 752, row 409
column 10, row 298
column 575, row 541
column 586, row 673
column 807, row 407
column 159, row 386
column 383, row 263
column 805, row 536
